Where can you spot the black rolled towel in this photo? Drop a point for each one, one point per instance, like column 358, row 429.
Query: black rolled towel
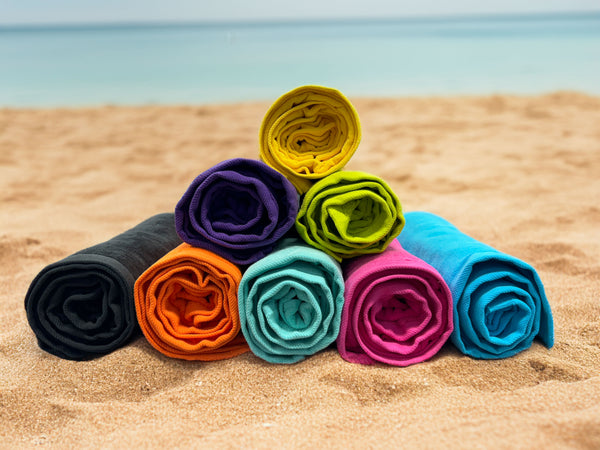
column 82, row 307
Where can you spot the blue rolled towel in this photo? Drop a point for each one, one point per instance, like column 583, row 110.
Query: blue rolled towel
column 499, row 301
column 290, row 303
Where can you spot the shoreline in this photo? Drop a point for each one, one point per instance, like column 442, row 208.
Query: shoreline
column 557, row 94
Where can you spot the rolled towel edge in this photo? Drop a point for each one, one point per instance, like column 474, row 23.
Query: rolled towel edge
column 85, row 259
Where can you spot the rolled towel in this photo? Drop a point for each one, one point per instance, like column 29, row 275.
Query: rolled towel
column 186, row 305
column 309, row 133
column 82, row 306
column 290, row 303
column 397, row 309
column 350, row 214
column 499, row 301
column 238, row 209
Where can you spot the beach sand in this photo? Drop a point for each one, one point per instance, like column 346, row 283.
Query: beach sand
column 519, row 173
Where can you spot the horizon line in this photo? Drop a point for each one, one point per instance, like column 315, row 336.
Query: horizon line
column 434, row 18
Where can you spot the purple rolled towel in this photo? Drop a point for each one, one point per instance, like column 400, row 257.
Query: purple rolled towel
column 238, row 209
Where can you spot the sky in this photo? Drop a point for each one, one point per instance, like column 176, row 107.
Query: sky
column 14, row 12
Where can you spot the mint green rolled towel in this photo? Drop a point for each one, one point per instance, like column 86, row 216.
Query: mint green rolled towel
column 290, row 303
column 349, row 214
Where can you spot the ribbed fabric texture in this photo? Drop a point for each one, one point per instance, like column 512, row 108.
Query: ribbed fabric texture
column 82, row 306
column 290, row 303
column 397, row 309
column 349, row 214
column 309, row 133
column 186, row 305
column 238, row 209
column 499, row 301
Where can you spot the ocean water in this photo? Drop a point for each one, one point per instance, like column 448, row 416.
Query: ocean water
column 210, row 63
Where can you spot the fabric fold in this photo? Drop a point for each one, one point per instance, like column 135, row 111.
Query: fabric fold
column 499, row 301
column 397, row 309
column 186, row 305
column 349, row 214
column 237, row 209
column 82, row 306
column 290, row 303
column 309, row 133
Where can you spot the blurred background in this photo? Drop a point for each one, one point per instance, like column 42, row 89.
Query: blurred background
column 74, row 52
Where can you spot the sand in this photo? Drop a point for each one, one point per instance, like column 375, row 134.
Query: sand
column 519, row 173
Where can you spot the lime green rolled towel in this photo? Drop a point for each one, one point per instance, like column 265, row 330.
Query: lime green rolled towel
column 349, row 214
column 309, row 133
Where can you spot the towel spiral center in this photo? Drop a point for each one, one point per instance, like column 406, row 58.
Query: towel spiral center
column 85, row 306
column 501, row 308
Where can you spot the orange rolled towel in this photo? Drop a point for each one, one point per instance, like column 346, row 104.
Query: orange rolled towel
column 187, row 307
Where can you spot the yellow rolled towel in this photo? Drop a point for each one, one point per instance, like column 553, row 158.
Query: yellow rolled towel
column 309, row 133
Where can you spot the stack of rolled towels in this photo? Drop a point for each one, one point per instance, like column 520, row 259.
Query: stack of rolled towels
column 287, row 256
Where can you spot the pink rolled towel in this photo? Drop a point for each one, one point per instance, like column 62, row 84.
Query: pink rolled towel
column 397, row 309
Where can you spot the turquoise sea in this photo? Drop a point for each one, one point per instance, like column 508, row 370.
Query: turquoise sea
column 227, row 62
